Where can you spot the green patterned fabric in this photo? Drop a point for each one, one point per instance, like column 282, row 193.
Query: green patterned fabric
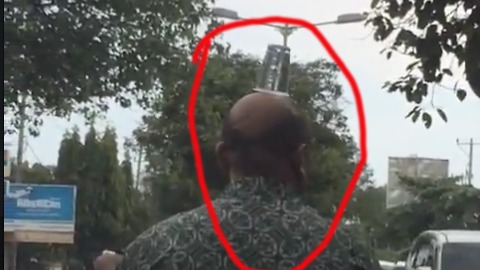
column 267, row 225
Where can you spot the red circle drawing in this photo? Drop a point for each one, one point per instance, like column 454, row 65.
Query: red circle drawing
column 200, row 57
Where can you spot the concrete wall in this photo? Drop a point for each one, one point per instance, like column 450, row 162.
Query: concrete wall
column 415, row 167
column 39, row 237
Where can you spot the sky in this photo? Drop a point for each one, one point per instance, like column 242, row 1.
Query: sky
column 389, row 133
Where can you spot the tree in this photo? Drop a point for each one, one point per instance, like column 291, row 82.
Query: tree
column 38, row 174
column 87, row 239
column 69, row 163
column 109, row 212
column 62, row 54
column 429, row 31
column 34, row 174
column 439, row 205
column 229, row 76
column 106, row 204
column 138, row 215
column 127, row 170
column 366, row 212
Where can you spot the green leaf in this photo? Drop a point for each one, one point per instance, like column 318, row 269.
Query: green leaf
column 406, row 37
column 422, row 88
column 442, row 115
column 417, row 97
column 405, row 7
column 415, row 109
column 79, row 63
column 412, row 65
column 461, row 94
column 415, row 116
column 437, row 33
column 427, row 119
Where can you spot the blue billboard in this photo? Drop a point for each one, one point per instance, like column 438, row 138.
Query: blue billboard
column 38, row 207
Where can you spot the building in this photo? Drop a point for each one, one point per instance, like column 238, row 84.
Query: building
column 415, row 167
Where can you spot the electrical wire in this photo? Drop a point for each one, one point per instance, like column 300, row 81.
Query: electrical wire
column 33, row 152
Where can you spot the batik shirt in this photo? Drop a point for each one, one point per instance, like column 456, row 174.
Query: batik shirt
column 267, row 225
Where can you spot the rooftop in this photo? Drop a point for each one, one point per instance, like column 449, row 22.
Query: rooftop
column 456, row 236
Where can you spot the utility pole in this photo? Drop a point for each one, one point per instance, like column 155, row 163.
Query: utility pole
column 21, row 140
column 11, row 247
column 139, row 166
column 470, row 144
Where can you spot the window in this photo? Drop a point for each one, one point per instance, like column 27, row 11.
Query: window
column 424, row 256
column 411, row 259
column 464, row 256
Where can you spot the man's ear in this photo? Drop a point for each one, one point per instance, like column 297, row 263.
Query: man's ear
column 222, row 157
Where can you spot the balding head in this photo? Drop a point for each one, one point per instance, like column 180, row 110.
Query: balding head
column 257, row 113
column 262, row 134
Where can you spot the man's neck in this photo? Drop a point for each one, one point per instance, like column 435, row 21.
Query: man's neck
column 258, row 185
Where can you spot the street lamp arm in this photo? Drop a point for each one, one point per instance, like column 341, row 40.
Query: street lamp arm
column 276, row 26
column 325, row 23
column 286, row 30
column 341, row 19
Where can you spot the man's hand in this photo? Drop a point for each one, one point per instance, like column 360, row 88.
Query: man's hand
column 107, row 261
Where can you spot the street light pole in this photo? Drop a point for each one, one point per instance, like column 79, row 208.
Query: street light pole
column 286, row 30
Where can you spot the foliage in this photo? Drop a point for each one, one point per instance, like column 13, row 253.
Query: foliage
column 430, row 31
column 440, row 204
column 81, row 52
column 368, row 208
column 127, row 169
column 229, row 76
column 109, row 209
column 69, row 154
column 35, row 174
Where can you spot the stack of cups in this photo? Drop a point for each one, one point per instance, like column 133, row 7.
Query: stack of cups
column 273, row 76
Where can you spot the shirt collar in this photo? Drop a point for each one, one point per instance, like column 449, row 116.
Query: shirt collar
column 258, row 186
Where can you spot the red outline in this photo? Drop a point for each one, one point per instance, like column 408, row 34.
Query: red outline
column 200, row 57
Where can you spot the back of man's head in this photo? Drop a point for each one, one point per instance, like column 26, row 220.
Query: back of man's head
column 263, row 135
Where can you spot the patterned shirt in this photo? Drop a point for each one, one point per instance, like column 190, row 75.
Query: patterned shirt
column 267, row 225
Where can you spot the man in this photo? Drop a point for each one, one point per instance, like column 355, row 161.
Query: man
column 260, row 212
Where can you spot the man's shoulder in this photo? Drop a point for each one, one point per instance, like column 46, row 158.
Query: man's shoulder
column 180, row 221
column 178, row 232
column 196, row 216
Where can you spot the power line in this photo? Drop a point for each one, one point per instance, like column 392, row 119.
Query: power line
column 34, row 153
